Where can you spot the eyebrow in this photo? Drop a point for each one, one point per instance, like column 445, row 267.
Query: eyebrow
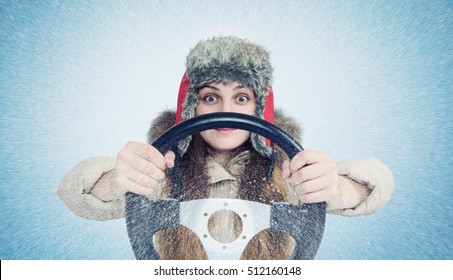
column 217, row 89
column 211, row 87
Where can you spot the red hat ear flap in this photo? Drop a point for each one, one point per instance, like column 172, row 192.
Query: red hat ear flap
column 269, row 109
column 269, row 106
column 181, row 97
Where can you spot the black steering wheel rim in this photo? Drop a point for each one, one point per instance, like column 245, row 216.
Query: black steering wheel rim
column 139, row 208
column 227, row 120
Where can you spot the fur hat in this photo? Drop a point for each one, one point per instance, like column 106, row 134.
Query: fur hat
column 227, row 59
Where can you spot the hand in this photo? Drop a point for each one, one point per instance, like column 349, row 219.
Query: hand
column 313, row 175
column 140, row 169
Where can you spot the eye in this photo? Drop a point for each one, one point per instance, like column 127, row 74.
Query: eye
column 242, row 98
column 210, row 98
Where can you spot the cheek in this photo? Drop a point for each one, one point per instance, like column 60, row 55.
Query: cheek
column 203, row 135
column 248, row 110
column 245, row 134
column 202, row 109
column 197, row 110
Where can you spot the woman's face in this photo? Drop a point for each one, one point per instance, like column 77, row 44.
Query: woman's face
column 225, row 97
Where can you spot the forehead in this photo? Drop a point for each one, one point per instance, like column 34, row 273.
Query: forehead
column 225, row 85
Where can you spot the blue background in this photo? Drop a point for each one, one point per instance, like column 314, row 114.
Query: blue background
column 364, row 78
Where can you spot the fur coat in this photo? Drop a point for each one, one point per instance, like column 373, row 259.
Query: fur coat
column 370, row 173
column 247, row 181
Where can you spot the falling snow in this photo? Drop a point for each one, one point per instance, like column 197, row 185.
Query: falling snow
column 364, row 78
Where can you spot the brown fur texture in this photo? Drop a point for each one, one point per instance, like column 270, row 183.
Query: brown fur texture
column 181, row 243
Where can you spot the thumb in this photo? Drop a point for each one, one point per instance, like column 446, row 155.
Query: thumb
column 170, row 159
column 285, row 170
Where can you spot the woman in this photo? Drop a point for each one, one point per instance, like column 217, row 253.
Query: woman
column 225, row 74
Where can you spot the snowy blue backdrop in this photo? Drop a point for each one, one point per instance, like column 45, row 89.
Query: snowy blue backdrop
column 364, row 78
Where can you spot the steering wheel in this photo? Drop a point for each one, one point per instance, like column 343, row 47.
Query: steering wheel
column 305, row 223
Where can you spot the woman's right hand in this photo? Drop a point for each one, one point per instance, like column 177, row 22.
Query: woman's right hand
column 140, row 169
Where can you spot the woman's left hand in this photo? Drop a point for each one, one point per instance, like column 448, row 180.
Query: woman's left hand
column 313, row 175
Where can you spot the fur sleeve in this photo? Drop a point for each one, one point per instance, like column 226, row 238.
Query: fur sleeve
column 372, row 174
column 74, row 190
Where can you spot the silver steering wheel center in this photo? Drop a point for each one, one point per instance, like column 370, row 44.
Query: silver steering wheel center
column 195, row 215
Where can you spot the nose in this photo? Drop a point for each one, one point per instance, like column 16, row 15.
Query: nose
column 226, row 106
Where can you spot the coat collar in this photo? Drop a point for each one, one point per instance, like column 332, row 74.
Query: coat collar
column 218, row 173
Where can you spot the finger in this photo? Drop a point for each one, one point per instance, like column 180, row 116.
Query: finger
column 321, row 189
column 146, row 152
column 307, row 157
column 130, row 161
column 170, row 159
column 143, row 180
column 297, row 162
column 130, row 186
column 285, row 170
column 314, row 197
column 148, row 169
column 316, row 170
column 314, row 185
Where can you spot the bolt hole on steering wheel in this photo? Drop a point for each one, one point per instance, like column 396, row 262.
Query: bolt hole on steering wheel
column 144, row 217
